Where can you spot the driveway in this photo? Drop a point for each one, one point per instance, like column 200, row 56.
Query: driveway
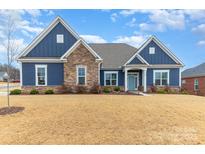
column 3, row 88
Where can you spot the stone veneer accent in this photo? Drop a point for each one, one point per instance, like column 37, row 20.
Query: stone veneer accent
column 42, row 89
column 81, row 56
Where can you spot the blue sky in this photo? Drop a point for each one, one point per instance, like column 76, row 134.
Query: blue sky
column 183, row 31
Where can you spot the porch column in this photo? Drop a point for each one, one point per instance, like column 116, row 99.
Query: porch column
column 125, row 79
column 144, row 79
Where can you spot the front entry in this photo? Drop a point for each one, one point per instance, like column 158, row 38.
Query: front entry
column 132, row 82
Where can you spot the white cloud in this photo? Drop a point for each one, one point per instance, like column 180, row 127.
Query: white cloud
column 34, row 12
column 24, row 26
column 161, row 20
column 106, row 10
column 93, row 39
column 114, row 17
column 27, row 34
column 195, row 14
column 132, row 23
column 49, row 12
column 135, row 40
column 27, row 27
column 199, row 29
column 151, row 27
column 18, row 43
column 31, row 29
column 128, row 12
column 201, row 43
column 2, row 35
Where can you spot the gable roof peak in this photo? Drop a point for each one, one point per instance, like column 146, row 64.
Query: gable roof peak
column 44, row 33
column 80, row 41
column 161, row 45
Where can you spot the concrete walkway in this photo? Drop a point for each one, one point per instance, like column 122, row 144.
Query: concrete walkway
column 3, row 93
column 139, row 93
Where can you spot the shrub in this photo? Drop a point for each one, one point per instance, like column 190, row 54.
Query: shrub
column 167, row 89
column 68, row 89
column 50, row 91
column 183, row 91
column 106, row 90
column 15, row 92
column 153, row 89
column 81, row 89
column 34, row 92
column 117, row 88
column 140, row 88
column 96, row 89
column 161, row 91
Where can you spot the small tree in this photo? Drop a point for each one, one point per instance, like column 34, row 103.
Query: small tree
column 11, row 47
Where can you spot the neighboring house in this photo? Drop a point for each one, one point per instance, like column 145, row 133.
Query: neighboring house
column 58, row 56
column 193, row 80
column 3, row 76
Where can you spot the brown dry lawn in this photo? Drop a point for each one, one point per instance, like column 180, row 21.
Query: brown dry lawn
column 104, row 119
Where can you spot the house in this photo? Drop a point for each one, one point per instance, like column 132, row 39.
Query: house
column 59, row 57
column 3, row 76
column 193, row 80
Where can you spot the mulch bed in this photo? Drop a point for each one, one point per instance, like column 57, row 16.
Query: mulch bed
column 11, row 110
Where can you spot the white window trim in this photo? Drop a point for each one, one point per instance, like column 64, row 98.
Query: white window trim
column 196, row 84
column 155, row 71
column 110, row 72
column 81, row 66
column 151, row 50
column 57, row 38
column 36, row 74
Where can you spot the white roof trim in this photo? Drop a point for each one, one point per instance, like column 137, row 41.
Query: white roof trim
column 139, row 57
column 142, row 59
column 55, row 60
column 165, row 66
column 80, row 41
column 166, row 50
column 44, row 33
column 163, row 47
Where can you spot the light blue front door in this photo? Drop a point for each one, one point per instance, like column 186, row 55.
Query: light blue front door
column 132, row 85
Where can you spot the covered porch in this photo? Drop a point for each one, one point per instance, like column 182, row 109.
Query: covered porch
column 135, row 77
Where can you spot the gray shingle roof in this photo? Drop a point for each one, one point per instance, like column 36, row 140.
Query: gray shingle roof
column 195, row 71
column 114, row 55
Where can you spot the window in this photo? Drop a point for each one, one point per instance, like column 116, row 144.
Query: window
column 151, row 50
column 59, row 38
column 111, row 78
column 161, row 77
column 41, row 75
column 81, row 75
column 196, row 84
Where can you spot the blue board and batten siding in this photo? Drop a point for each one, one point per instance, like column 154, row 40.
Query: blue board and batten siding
column 160, row 57
column 173, row 76
column 55, row 74
column 136, row 61
column 120, row 77
column 48, row 46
